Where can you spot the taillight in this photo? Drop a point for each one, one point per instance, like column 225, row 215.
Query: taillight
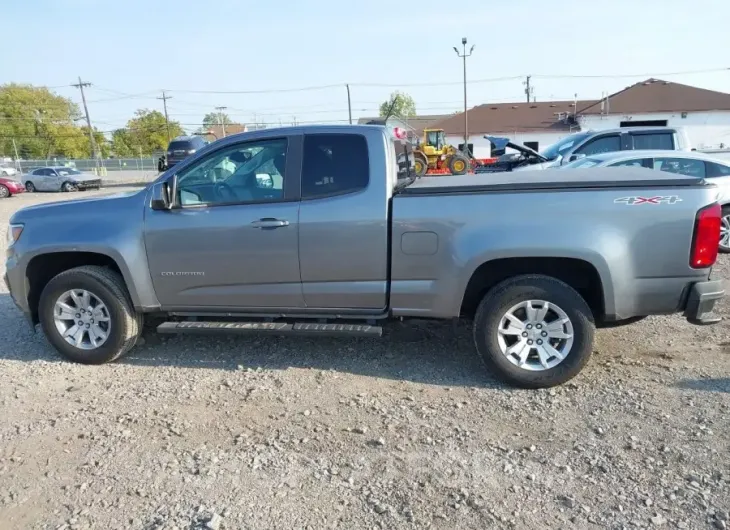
column 706, row 237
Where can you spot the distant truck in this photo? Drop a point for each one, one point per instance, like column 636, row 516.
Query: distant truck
column 588, row 143
column 320, row 231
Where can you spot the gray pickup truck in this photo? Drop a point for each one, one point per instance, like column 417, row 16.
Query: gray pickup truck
column 319, row 230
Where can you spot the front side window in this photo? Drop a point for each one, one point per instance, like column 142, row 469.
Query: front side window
column 334, row 164
column 583, row 162
column 653, row 141
column 684, row 166
column 604, row 144
column 634, row 162
column 249, row 172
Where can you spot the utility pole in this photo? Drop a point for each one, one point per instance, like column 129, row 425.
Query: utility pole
column 220, row 119
column 164, row 99
column 94, row 153
column 349, row 103
column 466, row 114
column 17, row 158
column 529, row 89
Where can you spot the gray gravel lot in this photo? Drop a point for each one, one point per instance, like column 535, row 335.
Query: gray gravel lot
column 404, row 432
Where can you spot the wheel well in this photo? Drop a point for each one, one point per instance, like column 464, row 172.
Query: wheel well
column 41, row 269
column 579, row 274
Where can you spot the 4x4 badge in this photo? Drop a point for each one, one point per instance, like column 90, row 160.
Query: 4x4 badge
column 631, row 201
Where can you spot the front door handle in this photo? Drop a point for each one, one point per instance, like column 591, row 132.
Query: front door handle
column 269, row 222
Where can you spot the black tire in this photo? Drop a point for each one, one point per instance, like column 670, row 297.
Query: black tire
column 533, row 287
column 69, row 187
column 725, row 214
column 29, row 187
column 4, row 192
column 108, row 286
column 459, row 164
column 420, row 166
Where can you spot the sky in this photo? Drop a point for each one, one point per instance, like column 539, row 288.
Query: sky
column 208, row 54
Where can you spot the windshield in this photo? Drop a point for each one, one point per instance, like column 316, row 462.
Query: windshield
column 559, row 148
column 63, row 171
column 582, row 162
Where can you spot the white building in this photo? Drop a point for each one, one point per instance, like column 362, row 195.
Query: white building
column 704, row 114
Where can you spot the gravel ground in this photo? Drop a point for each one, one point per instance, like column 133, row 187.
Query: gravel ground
column 405, row 432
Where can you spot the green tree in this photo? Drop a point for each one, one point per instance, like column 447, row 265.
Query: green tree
column 121, row 143
column 145, row 133
column 216, row 118
column 42, row 123
column 404, row 107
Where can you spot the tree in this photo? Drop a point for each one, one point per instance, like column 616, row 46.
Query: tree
column 404, row 107
column 41, row 122
column 216, row 118
column 144, row 134
column 122, row 143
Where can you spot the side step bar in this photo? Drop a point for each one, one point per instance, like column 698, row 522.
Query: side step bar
column 271, row 328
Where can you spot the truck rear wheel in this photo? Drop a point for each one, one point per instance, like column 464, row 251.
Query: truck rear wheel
column 725, row 230
column 87, row 315
column 534, row 331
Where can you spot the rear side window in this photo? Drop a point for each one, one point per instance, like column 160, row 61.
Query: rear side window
column 604, row 144
column 717, row 170
column 653, row 141
column 684, row 166
column 334, row 164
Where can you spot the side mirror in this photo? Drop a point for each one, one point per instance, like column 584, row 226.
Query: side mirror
column 264, row 180
column 576, row 156
column 163, row 194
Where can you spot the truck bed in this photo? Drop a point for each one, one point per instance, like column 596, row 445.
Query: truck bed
column 555, row 179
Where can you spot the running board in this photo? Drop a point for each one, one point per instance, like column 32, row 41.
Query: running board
column 271, row 328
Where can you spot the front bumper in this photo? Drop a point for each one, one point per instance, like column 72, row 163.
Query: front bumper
column 701, row 301
column 22, row 307
column 89, row 185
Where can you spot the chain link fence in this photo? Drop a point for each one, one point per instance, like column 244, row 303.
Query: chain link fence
column 89, row 164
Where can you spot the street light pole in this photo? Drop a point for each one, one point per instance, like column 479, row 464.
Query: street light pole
column 464, row 55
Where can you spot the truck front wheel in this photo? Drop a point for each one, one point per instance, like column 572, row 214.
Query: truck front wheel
column 87, row 315
column 534, row 331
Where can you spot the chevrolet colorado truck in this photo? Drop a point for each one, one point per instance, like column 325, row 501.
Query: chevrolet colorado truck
column 320, row 230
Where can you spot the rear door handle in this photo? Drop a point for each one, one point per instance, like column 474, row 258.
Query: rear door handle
column 269, row 222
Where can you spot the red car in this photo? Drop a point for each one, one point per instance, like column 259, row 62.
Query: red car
column 10, row 187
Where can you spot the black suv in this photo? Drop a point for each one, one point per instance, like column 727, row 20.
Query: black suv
column 182, row 147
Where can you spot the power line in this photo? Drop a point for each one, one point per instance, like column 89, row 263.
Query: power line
column 617, row 76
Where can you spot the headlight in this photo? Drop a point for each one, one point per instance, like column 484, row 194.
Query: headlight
column 14, row 232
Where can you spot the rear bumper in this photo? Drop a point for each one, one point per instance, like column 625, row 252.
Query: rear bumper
column 701, row 301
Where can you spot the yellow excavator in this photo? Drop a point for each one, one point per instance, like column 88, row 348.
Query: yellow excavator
column 433, row 153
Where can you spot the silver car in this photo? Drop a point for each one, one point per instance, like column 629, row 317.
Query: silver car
column 59, row 178
column 690, row 163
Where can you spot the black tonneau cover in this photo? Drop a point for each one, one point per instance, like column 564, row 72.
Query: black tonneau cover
column 552, row 179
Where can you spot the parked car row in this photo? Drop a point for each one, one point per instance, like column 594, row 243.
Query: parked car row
column 51, row 178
